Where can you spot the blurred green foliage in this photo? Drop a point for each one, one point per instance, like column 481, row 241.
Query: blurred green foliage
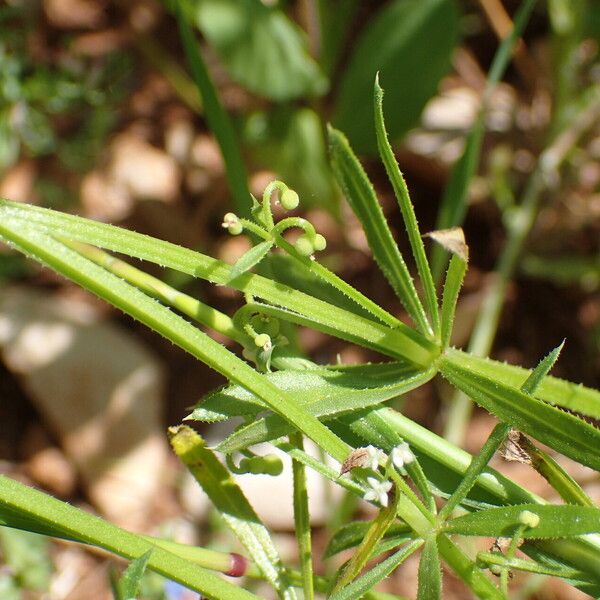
column 54, row 101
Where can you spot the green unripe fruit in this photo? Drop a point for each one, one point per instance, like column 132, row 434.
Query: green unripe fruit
column 262, row 340
column 289, row 199
column 319, row 243
column 272, row 465
column 304, row 246
column 232, row 223
column 529, row 518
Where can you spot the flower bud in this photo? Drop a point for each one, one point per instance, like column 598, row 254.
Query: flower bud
column 319, row 243
column 262, row 340
column 304, row 246
column 289, row 199
column 526, row 517
column 232, row 223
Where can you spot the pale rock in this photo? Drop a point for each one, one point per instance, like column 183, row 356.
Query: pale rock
column 17, row 182
column 75, row 14
column 178, row 140
column 100, row 392
column 145, row 171
column 103, row 198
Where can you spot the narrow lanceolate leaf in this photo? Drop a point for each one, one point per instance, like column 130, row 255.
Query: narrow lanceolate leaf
column 430, row 572
column 363, row 201
column 399, row 342
column 562, row 431
column 229, row 500
column 324, row 407
column 23, row 507
column 559, row 392
column 353, row 533
column 371, row 578
column 308, row 386
column 373, row 536
column 250, row 258
column 62, row 259
column 128, row 585
column 554, row 521
column 496, row 438
column 531, row 566
column 406, row 207
column 452, row 285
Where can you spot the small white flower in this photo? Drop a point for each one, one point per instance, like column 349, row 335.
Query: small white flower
column 378, row 490
column 374, row 456
column 402, row 455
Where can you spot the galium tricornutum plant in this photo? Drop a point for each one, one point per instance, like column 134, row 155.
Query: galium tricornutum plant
column 416, row 479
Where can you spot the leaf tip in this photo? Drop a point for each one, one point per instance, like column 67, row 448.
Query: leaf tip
column 453, row 240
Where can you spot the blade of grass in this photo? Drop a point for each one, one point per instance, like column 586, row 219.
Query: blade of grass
column 410, row 221
column 217, row 118
column 453, row 205
column 363, row 584
column 363, row 553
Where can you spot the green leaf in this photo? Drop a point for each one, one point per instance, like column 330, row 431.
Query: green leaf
column 128, row 585
column 406, row 207
column 452, row 286
column 377, row 529
column 261, row 48
column 430, row 573
column 227, row 497
column 555, row 521
column 218, row 119
column 250, row 258
column 351, row 534
column 562, row 431
column 321, row 402
column 363, row 584
column 410, row 43
column 572, row 396
column 308, row 386
column 362, row 199
column 25, row 507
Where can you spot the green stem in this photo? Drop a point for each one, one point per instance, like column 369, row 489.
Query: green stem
column 204, row 314
column 302, row 520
